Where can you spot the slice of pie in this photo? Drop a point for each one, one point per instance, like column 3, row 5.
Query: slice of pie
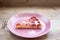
column 33, row 22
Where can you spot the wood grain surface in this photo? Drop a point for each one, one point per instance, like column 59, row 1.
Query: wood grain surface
column 52, row 13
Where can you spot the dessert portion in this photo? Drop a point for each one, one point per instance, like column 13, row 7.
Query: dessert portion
column 32, row 22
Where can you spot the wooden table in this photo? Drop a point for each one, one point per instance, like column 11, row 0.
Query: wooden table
column 52, row 13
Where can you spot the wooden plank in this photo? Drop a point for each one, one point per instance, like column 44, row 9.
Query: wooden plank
column 53, row 14
column 48, row 12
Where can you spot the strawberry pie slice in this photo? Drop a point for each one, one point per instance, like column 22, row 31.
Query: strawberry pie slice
column 33, row 22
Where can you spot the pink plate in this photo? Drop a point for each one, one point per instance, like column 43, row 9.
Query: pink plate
column 28, row 33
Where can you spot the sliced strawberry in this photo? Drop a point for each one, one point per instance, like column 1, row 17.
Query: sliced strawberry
column 17, row 24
